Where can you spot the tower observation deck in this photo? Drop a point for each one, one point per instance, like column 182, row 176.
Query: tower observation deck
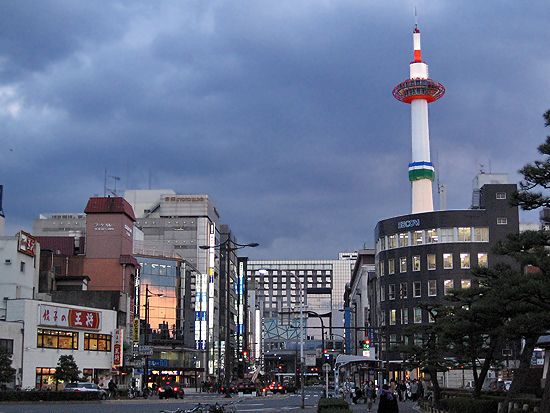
column 418, row 91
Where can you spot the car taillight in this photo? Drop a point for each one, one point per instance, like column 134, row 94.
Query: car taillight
column 175, row 389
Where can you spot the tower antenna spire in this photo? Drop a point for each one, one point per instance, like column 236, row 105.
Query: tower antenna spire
column 415, row 18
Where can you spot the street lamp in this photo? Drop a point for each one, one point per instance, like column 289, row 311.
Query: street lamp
column 300, row 291
column 148, row 294
column 230, row 246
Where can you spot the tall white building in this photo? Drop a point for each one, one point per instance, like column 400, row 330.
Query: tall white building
column 180, row 224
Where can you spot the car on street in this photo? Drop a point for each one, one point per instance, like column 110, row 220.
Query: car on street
column 274, row 387
column 167, row 391
column 86, row 387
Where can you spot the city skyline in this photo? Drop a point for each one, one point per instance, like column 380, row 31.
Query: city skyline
column 282, row 113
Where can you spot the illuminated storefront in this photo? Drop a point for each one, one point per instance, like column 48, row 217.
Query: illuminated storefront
column 51, row 330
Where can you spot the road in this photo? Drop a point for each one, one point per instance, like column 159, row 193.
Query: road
column 288, row 403
column 272, row 403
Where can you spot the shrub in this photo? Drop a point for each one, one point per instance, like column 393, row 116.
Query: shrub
column 335, row 405
column 469, row 405
column 47, row 396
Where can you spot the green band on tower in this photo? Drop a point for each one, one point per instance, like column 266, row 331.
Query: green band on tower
column 416, row 174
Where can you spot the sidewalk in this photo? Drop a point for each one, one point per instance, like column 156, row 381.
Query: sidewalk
column 404, row 407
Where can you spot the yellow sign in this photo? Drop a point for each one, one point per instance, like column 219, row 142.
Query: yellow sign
column 136, row 330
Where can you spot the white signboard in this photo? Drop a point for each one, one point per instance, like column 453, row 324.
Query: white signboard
column 310, row 360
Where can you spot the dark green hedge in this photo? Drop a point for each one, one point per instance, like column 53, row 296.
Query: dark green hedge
column 33, row 396
column 334, row 405
column 469, row 405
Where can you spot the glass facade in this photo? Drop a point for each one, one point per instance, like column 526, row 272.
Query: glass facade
column 161, row 281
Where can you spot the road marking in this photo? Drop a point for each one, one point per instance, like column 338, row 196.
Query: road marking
column 257, row 410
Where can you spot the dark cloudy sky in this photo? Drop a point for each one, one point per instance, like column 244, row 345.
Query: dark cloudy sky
column 280, row 110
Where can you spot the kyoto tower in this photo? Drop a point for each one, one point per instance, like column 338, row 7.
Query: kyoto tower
column 418, row 91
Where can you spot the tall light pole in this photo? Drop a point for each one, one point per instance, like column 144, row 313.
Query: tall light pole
column 148, row 294
column 301, row 292
column 229, row 246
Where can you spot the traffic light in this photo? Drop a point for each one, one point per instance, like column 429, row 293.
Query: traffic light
column 327, row 356
column 245, row 355
column 365, row 344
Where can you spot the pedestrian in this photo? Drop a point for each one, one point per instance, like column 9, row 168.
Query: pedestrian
column 414, row 390
column 369, row 394
column 357, row 395
column 420, row 390
column 388, row 401
column 112, row 389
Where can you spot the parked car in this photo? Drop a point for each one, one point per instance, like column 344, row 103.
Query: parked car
column 86, row 387
column 168, row 391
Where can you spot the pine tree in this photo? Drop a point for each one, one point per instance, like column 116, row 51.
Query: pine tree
column 533, row 194
column 66, row 370
column 7, row 372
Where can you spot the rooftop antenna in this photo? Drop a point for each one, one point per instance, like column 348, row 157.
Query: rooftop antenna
column 415, row 18
column 106, row 189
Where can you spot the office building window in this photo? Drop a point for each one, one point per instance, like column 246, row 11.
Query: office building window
column 448, row 285
column 502, row 221
column 465, row 283
column 381, row 268
column 382, row 293
column 481, row 234
column 431, row 318
column 403, row 264
column 417, row 315
column 392, row 241
column 501, row 195
column 447, row 234
column 416, row 263
column 404, row 239
column 448, row 261
column 464, row 234
column 56, row 339
column 417, row 289
column 464, row 261
column 393, row 317
column 6, row 345
column 432, row 288
column 482, row 261
column 431, row 236
column 418, row 238
column 97, row 342
column 391, row 292
column 431, row 262
column 404, row 316
column 403, row 290
column 391, row 266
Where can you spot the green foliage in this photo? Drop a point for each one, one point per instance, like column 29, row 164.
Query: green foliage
column 333, row 405
column 66, row 369
column 536, row 178
column 469, row 405
column 46, row 396
column 7, row 372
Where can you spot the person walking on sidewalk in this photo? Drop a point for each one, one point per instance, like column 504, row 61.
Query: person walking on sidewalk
column 388, row 401
column 369, row 392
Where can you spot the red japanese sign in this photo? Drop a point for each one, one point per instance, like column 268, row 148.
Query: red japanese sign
column 117, row 348
column 27, row 244
column 50, row 315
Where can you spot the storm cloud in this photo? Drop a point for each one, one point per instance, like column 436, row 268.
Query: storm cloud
column 280, row 110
